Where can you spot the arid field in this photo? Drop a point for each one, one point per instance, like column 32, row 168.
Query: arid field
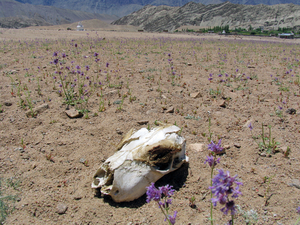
column 208, row 85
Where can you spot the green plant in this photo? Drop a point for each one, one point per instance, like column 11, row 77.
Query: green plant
column 192, row 202
column 268, row 144
column 5, row 200
column 39, row 87
column 250, row 217
column 1, row 110
column 266, row 195
column 287, row 152
column 22, row 144
column 29, row 103
column 189, row 117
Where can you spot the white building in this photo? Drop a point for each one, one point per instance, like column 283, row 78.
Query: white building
column 80, row 27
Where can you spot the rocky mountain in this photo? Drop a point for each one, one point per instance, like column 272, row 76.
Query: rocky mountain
column 159, row 18
column 14, row 14
column 124, row 7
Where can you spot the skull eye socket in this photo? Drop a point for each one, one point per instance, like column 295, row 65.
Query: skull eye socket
column 116, row 192
column 161, row 158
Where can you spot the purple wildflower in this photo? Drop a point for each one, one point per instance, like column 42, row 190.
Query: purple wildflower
column 250, row 126
column 55, row 61
column 229, row 206
column 167, row 190
column 78, row 67
column 107, row 64
column 75, row 45
column 153, row 193
column 222, row 187
column 298, row 209
column 96, row 54
column 54, row 54
column 64, row 55
column 173, row 218
column 87, row 68
column 216, row 148
column 212, row 162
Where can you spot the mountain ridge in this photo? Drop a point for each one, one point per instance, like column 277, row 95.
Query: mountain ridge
column 121, row 8
column 14, row 14
column 158, row 18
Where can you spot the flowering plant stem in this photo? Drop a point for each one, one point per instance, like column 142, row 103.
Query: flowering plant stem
column 211, row 196
column 165, row 214
column 297, row 221
column 263, row 134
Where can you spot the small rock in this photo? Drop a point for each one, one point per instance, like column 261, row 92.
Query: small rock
column 163, row 96
column 222, row 104
column 110, row 93
column 142, row 122
column 263, row 154
column 7, row 103
column 78, row 195
column 196, row 95
column 170, row 110
column 295, row 183
column 291, row 111
column 37, row 110
column 119, row 131
column 151, row 111
column 61, row 208
column 197, row 147
column 189, row 64
column 20, row 149
column 73, row 113
column 237, row 145
column 82, row 160
column 226, row 146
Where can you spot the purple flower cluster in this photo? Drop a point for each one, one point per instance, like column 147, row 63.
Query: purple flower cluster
column 216, row 148
column 156, row 194
column 162, row 196
column 222, row 187
column 212, row 162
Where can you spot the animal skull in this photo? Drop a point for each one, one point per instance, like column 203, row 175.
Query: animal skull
column 142, row 157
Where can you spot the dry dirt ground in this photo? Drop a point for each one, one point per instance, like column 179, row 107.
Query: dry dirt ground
column 47, row 160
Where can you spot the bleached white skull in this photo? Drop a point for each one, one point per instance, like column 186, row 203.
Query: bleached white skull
column 142, row 157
